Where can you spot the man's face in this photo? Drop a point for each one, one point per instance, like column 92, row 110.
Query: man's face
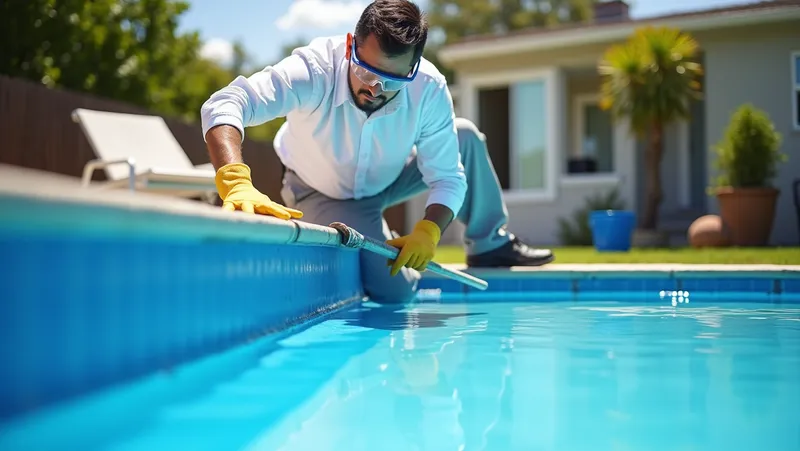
column 372, row 98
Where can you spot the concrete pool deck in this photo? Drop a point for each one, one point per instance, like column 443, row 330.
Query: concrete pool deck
column 617, row 267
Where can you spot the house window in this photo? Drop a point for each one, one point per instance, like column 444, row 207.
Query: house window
column 592, row 138
column 796, row 90
column 521, row 114
column 529, row 135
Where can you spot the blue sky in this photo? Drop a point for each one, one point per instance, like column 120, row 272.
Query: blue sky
column 264, row 26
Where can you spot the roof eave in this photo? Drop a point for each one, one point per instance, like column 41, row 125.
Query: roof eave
column 508, row 45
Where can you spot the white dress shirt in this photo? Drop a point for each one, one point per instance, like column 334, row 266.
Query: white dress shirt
column 332, row 145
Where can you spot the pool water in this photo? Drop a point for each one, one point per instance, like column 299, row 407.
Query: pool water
column 488, row 376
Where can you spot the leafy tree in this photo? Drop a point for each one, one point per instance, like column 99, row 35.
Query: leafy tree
column 242, row 61
column 459, row 18
column 651, row 79
column 197, row 80
column 452, row 20
column 124, row 50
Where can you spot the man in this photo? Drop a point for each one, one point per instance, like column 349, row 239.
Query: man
column 369, row 124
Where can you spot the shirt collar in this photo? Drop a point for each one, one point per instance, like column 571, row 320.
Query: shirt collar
column 342, row 93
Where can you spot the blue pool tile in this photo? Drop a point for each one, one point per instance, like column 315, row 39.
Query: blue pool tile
column 547, row 285
column 514, row 296
column 624, row 284
column 98, row 311
column 728, row 284
column 528, row 284
column 523, row 284
column 791, row 286
column 650, row 284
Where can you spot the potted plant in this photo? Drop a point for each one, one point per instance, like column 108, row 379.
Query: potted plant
column 651, row 80
column 577, row 230
column 747, row 157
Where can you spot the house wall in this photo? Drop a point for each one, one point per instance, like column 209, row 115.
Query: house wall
column 579, row 57
column 754, row 65
column 537, row 222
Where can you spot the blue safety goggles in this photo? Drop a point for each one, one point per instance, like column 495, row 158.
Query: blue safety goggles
column 371, row 76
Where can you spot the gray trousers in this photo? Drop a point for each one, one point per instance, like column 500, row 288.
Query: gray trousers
column 483, row 213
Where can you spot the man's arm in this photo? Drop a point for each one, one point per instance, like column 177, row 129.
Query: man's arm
column 439, row 214
column 291, row 84
column 224, row 145
column 439, row 159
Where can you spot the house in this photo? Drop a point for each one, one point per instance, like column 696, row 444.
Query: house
column 534, row 94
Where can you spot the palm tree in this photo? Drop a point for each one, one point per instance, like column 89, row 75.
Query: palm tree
column 651, row 80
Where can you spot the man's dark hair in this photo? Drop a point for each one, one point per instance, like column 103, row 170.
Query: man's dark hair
column 398, row 25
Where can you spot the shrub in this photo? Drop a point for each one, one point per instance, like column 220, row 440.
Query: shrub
column 749, row 152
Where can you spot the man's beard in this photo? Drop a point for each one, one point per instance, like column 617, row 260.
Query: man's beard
column 373, row 106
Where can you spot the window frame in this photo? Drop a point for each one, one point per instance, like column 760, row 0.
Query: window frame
column 555, row 93
column 579, row 103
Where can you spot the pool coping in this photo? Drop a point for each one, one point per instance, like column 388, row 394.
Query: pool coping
column 603, row 269
column 118, row 211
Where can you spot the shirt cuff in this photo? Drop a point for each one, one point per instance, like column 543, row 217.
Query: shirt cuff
column 222, row 119
column 451, row 195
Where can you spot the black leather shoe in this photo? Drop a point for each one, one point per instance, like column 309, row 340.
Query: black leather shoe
column 513, row 253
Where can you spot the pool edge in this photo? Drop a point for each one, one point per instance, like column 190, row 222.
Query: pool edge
column 644, row 282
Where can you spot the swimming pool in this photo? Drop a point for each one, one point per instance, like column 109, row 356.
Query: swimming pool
column 134, row 322
column 485, row 375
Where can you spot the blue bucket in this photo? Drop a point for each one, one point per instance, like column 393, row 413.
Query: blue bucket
column 612, row 229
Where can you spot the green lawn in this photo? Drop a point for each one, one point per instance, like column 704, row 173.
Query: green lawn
column 774, row 256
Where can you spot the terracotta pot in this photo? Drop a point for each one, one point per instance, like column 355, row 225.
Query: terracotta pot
column 748, row 213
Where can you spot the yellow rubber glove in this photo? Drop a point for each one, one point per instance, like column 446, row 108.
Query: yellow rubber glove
column 235, row 188
column 417, row 248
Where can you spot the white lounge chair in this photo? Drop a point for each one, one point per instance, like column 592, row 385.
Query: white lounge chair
column 139, row 152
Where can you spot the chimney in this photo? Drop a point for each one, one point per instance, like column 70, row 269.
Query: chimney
column 611, row 11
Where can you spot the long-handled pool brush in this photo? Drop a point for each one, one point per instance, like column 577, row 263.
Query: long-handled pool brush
column 354, row 239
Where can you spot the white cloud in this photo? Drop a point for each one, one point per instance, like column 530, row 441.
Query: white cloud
column 218, row 50
column 321, row 14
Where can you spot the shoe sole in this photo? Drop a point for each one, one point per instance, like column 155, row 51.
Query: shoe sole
column 538, row 263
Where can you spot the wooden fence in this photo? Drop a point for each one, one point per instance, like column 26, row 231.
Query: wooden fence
column 37, row 131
